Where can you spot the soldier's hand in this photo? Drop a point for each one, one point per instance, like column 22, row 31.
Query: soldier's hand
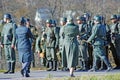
column 88, row 42
column 38, row 52
column 78, row 37
column 12, row 46
column 2, row 46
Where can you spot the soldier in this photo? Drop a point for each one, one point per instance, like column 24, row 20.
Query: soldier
column 41, row 48
column 51, row 45
column 23, row 35
column 34, row 32
column 8, row 42
column 2, row 23
column 90, row 24
column 83, row 46
column 98, row 37
column 70, row 46
column 115, row 39
column 63, row 22
column 56, row 32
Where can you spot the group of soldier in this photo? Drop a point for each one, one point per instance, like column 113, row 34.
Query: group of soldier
column 82, row 46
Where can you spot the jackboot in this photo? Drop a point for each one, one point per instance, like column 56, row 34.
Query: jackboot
column 50, row 66
column 12, row 68
column 54, row 66
column 9, row 68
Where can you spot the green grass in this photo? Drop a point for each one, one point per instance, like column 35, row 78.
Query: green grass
column 89, row 77
column 83, row 77
column 2, row 71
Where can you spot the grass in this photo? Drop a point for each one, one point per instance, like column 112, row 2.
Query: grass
column 88, row 77
column 83, row 77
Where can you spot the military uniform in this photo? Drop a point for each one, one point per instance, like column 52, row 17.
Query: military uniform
column 2, row 23
column 33, row 41
column 8, row 39
column 51, row 46
column 115, row 40
column 63, row 21
column 83, row 46
column 41, row 47
column 98, row 37
column 70, row 46
column 90, row 24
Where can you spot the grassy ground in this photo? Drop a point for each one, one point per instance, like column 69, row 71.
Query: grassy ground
column 82, row 77
column 85, row 77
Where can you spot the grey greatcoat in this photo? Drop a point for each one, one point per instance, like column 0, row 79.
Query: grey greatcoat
column 23, row 34
column 70, row 46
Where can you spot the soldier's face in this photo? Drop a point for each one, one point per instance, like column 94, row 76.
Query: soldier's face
column 113, row 20
column 28, row 23
column 62, row 23
column 48, row 24
column 79, row 21
column 96, row 22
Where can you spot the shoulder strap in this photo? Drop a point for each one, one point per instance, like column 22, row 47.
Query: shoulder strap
column 116, row 27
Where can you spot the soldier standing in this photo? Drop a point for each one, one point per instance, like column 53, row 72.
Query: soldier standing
column 41, row 48
column 90, row 24
column 8, row 42
column 98, row 37
column 70, row 46
column 34, row 32
column 63, row 22
column 83, row 46
column 51, row 45
column 115, row 40
column 23, row 35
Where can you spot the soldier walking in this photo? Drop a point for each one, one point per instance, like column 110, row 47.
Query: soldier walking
column 97, row 38
column 70, row 46
column 23, row 34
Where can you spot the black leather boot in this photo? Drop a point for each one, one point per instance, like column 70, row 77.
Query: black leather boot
column 12, row 68
column 50, row 66
column 9, row 68
column 54, row 66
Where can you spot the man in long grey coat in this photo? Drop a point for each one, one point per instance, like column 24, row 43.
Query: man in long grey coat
column 70, row 46
column 23, row 35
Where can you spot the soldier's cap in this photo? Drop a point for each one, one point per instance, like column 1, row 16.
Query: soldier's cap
column 81, row 18
column 69, row 18
column 86, row 15
column 49, row 21
column 113, row 17
column 97, row 18
column 22, row 20
column 63, row 19
column 118, row 16
column 27, row 20
column 7, row 16
column 54, row 22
